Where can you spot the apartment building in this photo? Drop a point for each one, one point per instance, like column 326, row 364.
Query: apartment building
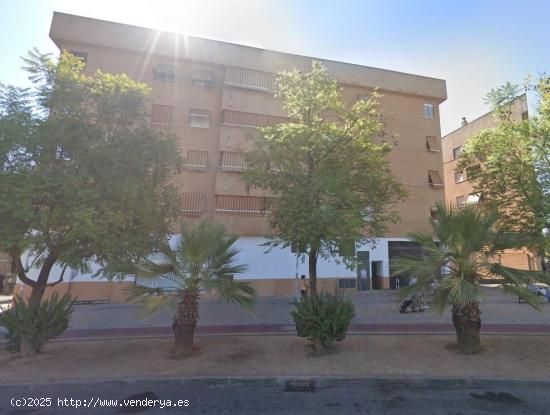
column 214, row 95
column 460, row 191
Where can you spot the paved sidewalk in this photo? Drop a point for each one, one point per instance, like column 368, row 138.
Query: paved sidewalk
column 376, row 312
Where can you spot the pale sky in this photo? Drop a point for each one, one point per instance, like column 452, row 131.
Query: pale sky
column 473, row 45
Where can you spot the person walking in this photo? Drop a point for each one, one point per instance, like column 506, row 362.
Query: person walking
column 303, row 286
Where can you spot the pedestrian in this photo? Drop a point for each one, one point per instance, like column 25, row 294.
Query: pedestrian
column 397, row 283
column 303, row 286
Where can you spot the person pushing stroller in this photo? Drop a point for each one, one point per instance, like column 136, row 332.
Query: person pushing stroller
column 413, row 301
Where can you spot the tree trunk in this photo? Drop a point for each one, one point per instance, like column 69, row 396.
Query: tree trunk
column 39, row 287
column 185, row 322
column 313, row 271
column 37, row 293
column 467, row 323
column 26, row 347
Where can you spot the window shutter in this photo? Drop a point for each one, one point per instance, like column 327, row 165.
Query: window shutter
column 434, row 178
column 433, row 144
column 162, row 116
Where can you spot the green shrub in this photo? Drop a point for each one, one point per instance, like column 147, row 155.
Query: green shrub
column 324, row 318
column 29, row 329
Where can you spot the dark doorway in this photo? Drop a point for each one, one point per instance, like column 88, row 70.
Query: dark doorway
column 376, row 275
column 397, row 249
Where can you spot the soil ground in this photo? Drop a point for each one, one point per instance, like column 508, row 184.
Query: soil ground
column 403, row 356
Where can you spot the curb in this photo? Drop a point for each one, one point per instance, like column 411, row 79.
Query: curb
column 128, row 333
column 279, row 382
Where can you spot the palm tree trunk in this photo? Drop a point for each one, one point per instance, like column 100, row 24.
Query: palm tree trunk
column 185, row 322
column 467, row 322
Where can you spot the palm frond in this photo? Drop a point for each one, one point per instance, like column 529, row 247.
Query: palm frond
column 460, row 290
column 406, row 292
column 152, row 300
column 517, row 276
column 441, row 299
column 524, row 293
column 238, row 292
column 425, row 269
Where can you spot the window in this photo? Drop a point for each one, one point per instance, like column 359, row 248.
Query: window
column 249, row 79
column 363, row 96
column 250, row 120
column 459, row 176
column 346, row 282
column 162, row 116
column 433, row 144
column 199, row 118
column 202, row 78
column 196, row 160
column 192, row 203
column 457, row 151
column 428, row 111
column 244, row 205
column 434, row 178
column 460, row 201
column 232, row 161
column 163, row 72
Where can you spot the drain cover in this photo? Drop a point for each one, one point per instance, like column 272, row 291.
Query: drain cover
column 300, row 385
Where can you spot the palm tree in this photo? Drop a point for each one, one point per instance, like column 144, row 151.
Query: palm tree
column 197, row 258
column 463, row 249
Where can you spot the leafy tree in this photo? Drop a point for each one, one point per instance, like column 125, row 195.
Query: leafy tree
column 467, row 249
column 83, row 175
column 196, row 259
column 332, row 183
column 509, row 166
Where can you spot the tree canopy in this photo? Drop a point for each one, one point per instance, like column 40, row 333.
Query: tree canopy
column 83, row 175
column 332, row 183
column 509, row 165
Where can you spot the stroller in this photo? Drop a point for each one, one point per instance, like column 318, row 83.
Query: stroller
column 415, row 304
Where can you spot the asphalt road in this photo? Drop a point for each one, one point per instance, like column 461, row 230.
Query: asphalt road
column 267, row 396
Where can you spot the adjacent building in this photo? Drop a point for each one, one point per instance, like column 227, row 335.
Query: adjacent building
column 460, row 191
column 213, row 95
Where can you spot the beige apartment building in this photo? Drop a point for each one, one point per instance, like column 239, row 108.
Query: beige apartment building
column 214, row 95
column 460, row 191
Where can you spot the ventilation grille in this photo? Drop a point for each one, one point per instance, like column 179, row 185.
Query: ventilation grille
column 300, row 386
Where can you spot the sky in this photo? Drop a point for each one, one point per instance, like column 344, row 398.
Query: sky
column 473, row 45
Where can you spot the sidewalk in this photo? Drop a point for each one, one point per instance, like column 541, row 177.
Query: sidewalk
column 390, row 356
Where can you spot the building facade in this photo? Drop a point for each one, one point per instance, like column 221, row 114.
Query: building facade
column 213, row 95
column 459, row 190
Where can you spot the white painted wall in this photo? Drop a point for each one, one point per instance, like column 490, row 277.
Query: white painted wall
column 277, row 263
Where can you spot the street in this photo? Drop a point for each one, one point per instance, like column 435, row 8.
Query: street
column 267, row 396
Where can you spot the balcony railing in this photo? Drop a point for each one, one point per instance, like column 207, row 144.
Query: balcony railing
column 240, row 119
column 249, row 79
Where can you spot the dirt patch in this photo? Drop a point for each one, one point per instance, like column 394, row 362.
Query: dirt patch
column 504, row 357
